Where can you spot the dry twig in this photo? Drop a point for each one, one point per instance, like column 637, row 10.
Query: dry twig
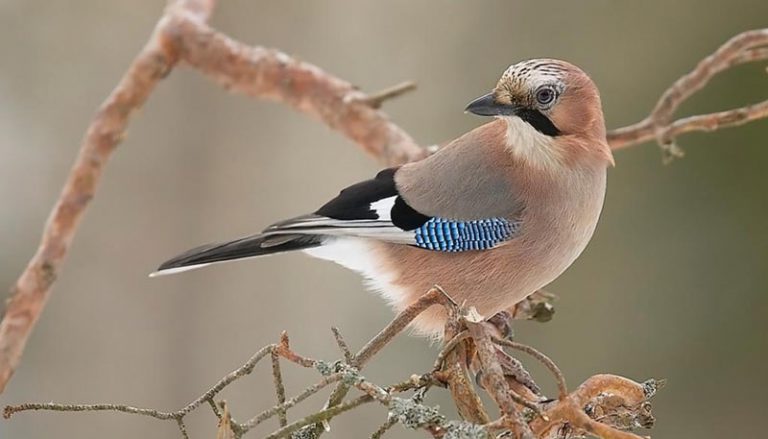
column 746, row 47
column 604, row 405
column 182, row 35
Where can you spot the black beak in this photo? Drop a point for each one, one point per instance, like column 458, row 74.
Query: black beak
column 486, row 105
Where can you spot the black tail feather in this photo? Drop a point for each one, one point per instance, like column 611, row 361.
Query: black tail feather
column 248, row 247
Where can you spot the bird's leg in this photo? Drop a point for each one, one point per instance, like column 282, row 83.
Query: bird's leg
column 537, row 306
column 515, row 370
column 512, row 368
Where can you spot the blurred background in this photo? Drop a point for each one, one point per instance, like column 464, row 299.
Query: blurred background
column 673, row 285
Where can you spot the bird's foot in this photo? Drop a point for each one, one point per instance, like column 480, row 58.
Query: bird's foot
column 512, row 369
column 502, row 321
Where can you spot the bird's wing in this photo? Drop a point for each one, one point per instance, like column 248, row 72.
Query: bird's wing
column 375, row 209
column 461, row 198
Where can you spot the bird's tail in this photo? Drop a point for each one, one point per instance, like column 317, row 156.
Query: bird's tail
column 248, row 247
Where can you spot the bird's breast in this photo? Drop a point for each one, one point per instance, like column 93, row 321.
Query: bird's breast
column 560, row 218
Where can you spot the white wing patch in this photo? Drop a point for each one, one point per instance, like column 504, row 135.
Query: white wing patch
column 383, row 208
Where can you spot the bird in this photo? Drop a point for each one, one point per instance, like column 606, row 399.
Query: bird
column 492, row 217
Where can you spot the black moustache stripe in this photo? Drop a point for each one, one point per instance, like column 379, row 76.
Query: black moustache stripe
column 538, row 121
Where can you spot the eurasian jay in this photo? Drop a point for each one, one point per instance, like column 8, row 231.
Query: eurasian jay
column 491, row 217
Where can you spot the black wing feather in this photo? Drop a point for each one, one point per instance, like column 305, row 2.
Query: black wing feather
column 406, row 217
column 351, row 212
column 354, row 203
column 248, row 247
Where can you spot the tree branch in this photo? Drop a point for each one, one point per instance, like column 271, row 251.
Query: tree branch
column 107, row 129
column 749, row 46
column 271, row 74
column 182, row 34
column 604, row 405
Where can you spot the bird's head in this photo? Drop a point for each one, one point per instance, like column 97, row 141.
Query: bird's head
column 550, row 101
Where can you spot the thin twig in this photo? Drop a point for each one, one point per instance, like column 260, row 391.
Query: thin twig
column 384, row 428
column 745, row 47
column 279, row 389
column 545, row 360
column 343, row 346
column 320, row 416
column 643, row 131
column 10, row 410
column 231, row 377
column 724, row 57
column 182, row 428
column 215, row 408
column 434, row 296
column 376, row 99
column 285, row 351
column 448, row 348
column 306, row 393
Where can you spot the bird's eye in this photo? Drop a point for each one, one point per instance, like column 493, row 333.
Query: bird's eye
column 545, row 95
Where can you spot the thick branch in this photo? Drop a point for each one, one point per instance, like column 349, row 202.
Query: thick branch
column 255, row 71
column 271, row 74
column 750, row 46
column 107, row 129
column 644, row 131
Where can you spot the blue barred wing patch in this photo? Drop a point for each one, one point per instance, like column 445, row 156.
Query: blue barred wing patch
column 458, row 236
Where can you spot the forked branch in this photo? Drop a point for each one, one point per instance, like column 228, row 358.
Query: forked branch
column 747, row 47
column 604, row 405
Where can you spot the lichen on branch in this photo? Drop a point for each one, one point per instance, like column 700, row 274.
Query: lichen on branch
column 604, row 405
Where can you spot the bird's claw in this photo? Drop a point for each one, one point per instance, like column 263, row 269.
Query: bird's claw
column 502, row 321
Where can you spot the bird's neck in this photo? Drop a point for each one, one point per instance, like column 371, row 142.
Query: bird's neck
column 549, row 153
column 530, row 146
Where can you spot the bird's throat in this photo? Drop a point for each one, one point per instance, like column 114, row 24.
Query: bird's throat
column 528, row 144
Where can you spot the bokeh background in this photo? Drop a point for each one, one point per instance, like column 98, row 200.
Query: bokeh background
column 673, row 285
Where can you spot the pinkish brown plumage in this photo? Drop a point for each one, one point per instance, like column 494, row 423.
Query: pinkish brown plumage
column 492, row 217
column 561, row 208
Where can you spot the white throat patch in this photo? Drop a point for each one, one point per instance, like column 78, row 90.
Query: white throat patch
column 527, row 144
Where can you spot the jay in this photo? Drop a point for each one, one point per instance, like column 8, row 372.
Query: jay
column 491, row 217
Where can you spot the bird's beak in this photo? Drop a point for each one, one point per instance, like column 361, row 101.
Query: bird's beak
column 486, row 105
